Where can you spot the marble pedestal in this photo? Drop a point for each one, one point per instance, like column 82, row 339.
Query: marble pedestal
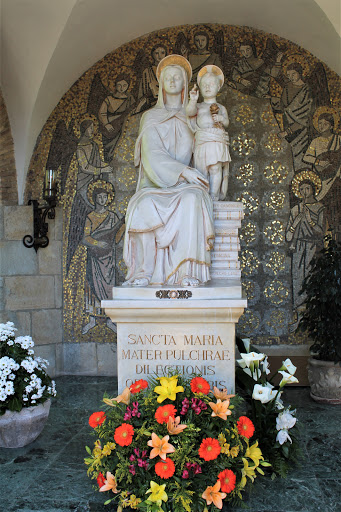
column 157, row 331
column 188, row 331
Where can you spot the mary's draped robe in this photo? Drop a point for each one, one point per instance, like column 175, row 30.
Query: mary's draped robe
column 178, row 215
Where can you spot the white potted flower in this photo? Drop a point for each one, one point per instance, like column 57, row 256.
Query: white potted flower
column 25, row 389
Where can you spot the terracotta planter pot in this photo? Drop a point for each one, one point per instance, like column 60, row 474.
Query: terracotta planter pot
column 18, row 429
column 325, row 381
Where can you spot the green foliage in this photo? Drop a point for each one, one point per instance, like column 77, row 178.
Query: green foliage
column 134, row 470
column 322, row 316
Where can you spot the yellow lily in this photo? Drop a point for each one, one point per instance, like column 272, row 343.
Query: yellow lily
column 107, row 449
column 168, row 388
column 234, row 451
column 254, row 453
column 247, row 471
column 158, row 493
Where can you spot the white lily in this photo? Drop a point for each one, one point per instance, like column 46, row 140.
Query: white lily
column 262, row 393
column 279, row 402
column 289, row 367
column 247, row 343
column 285, row 420
column 265, row 365
column 252, row 357
column 283, row 436
column 255, row 374
column 287, row 379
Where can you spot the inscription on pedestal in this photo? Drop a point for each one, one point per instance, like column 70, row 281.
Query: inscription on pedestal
column 147, row 350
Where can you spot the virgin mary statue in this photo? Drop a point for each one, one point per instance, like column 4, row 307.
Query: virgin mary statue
column 169, row 221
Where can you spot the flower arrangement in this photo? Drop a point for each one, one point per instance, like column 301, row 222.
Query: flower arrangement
column 173, row 444
column 23, row 378
column 275, row 424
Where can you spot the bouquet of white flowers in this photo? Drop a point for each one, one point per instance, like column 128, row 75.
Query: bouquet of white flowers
column 275, row 424
column 23, row 378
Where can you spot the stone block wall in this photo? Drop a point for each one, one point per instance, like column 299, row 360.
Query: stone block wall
column 31, row 294
column 31, row 297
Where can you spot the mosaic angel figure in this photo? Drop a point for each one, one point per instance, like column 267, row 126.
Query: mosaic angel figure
column 102, row 232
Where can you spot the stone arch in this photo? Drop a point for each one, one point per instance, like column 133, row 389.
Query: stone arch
column 262, row 167
column 8, row 176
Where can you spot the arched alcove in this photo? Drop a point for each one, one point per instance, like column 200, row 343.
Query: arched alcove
column 266, row 170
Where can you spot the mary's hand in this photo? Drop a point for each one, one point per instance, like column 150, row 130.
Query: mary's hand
column 194, row 176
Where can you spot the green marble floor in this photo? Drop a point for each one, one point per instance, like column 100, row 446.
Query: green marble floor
column 49, row 475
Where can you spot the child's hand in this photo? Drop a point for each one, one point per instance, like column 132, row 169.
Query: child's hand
column 194, row 93
column 218, row 118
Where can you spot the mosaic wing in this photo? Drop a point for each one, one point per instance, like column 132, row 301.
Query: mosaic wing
column 140, row 63
column 270, row 52
column 182, row 46
column 79, row 212
column 218, row 45
column 62, row 148
column 98, row 93
column 229, row 59
column 318, row 83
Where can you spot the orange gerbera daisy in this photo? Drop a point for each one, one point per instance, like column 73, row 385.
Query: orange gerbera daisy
column 164, row 412
column 227, row 480
column 124, row 434
column 221, row 395
column 96, row 419
column 165, row 468
column 245, row 427
column 160, row 446
column 221, row 409
column 138, row 385
column 209, row 448
column 173, row 425
column 100, row 479
column 212, row 495
column 200, row 385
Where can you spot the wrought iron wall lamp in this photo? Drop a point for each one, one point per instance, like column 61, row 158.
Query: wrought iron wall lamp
column 40, row 212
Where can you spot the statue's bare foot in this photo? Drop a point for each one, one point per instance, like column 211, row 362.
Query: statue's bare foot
column 190, row 281
column 143, row 281
column 86, row 328
column 111, row 325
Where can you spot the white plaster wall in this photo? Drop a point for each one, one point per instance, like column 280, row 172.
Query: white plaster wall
column 47, row 45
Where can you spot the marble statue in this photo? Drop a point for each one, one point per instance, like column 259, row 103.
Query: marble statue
column 208, row 121
column 169, row 220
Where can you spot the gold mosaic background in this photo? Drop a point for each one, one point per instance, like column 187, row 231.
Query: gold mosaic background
column 261, row 171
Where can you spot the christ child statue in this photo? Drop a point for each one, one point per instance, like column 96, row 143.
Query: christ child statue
column 208, row 121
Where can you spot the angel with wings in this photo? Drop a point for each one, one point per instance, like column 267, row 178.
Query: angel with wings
column 112, row 108
column 251, row 73
column 301, row 94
